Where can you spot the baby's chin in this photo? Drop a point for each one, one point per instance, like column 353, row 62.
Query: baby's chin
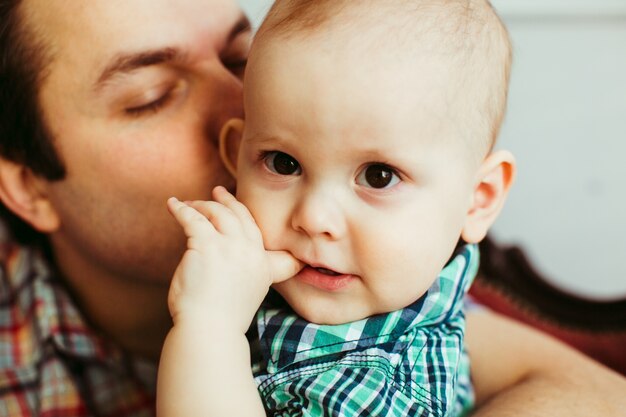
column 328, row 314
column 329, row 319
column 335, row 309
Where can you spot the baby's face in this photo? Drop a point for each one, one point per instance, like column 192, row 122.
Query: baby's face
column 356, row 172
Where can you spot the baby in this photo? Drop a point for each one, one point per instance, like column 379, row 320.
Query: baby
column 366, row 157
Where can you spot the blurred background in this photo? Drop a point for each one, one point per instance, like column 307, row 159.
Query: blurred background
column 566, row 124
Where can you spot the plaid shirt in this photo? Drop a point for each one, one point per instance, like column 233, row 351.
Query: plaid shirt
column 409, row 362
column 51, row 362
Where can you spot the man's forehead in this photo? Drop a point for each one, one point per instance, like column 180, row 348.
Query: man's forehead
column 131, row 25
column 105, row 37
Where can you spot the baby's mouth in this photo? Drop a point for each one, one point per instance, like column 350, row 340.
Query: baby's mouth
column 325, row 279
column 326, row 271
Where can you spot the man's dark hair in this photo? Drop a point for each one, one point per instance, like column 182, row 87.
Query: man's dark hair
column 24, row 137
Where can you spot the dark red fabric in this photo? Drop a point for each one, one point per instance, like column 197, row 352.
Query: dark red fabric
column 508, row 284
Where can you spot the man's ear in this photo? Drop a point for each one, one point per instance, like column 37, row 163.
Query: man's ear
column 494, row 179
column 23, row 193
column 230, row 139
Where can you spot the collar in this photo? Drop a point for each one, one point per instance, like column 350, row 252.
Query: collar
column 39, row 306
column 285, row 338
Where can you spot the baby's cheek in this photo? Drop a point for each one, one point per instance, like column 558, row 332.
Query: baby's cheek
column 260, row 211
column 273, row 237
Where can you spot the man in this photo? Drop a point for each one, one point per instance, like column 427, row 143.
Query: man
column 108, row 108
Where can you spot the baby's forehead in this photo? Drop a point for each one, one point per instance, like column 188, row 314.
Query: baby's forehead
column 464, row 41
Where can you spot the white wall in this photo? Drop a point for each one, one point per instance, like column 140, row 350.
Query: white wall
column 256, row 9
column 566, row 124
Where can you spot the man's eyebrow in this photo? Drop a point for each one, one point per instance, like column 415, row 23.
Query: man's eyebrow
column 126, row 63
column 242, row 25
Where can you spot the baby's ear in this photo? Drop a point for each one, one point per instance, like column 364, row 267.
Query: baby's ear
column 230, row 139
column 494, row 179
column 24, row 194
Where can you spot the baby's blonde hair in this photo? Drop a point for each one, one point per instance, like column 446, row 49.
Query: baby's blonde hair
column 467, row 33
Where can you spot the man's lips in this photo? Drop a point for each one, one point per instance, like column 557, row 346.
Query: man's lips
column 324, row 278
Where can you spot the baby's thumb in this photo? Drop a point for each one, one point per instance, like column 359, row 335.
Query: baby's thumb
column 283, row 265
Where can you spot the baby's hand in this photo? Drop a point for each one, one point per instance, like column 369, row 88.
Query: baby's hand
column 225, row 272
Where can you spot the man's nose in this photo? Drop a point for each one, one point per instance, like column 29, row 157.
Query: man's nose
column 319, row 214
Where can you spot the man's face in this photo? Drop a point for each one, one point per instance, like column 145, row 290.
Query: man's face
column 348, row 162
column 134, row 97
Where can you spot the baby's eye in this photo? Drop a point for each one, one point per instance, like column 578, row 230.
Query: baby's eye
column 281, row 163
column 378, row 176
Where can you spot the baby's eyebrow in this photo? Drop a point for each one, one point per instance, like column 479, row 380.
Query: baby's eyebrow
column 260, row 139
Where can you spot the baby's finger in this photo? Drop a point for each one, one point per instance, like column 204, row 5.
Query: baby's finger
column 283, row 265
column 222, row 217
column 248, row 223
column 194, row 224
